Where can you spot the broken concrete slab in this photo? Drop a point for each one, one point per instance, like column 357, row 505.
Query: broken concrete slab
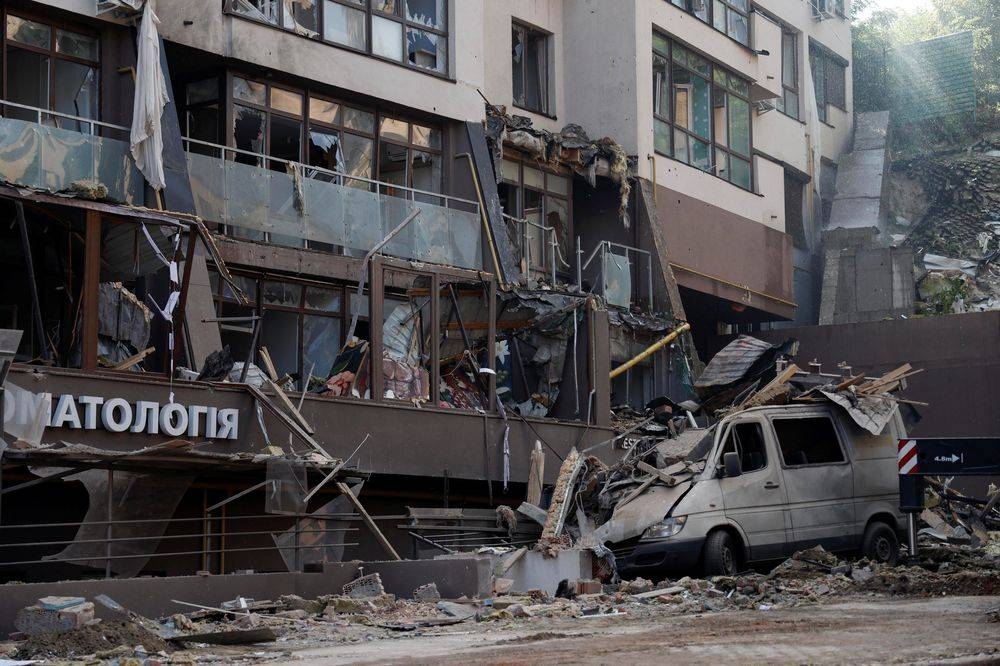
column 535, row 571
column 365, row 587
column 37, row 619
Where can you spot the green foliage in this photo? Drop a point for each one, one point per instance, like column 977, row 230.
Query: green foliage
column 883, row 30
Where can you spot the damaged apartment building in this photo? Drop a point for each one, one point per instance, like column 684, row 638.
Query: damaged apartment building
column 265, row 257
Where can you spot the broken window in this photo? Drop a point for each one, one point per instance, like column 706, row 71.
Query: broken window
column 829, row 72
column 300, row 324
column 731, row 17
column 542, row 199
column 530, row 68
column 809, row 441
column 788, row 103
column 746, row 439
column 51, row 68
column 410, row 156
column 701, row 113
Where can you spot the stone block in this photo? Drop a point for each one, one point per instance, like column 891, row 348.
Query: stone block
column 536, row 571
column 37, row 619
column 428, row 592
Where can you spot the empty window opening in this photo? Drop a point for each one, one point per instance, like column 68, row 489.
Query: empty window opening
column 811, row 441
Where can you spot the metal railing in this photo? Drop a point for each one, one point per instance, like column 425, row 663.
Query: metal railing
column 618, row 274
column 212, row 538
column 50, row 150
column 535, row 247
column 287, row 202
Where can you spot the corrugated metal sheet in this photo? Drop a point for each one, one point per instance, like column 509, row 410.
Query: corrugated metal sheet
column 933, row 78
column 733, row 362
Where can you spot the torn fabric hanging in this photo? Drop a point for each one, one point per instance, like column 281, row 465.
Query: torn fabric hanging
column 150, row 98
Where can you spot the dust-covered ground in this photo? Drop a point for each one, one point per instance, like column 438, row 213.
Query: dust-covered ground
column 862, row 630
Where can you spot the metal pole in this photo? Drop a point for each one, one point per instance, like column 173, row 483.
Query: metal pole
column 911, row 532
column 552, row 252
column 579, row 265
column 253, row 347
column 36, row 305
column 298, row 528
column 107, row 544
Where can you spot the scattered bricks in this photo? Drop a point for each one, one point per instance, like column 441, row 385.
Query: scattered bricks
column 36, row 619
column 428, row 592
column 59, row 603
column 364, row 587
column 583, row 586
column 347, row 605
column 503, row 585
column 295, row 602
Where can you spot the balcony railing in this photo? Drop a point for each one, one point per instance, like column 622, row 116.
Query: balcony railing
column 289, row 203
column 535, row 247
column 619, row 272
column 48, row 150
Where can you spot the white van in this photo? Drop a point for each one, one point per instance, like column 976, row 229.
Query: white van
column 766, row 482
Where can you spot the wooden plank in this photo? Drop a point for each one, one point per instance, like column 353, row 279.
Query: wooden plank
column 649, row 469
column 638, row 491
column 849, row 382
column 132, row 360
column 342, row 487
column 289, row 422
column 773, row 388
column 292, row 409
column 265, row 358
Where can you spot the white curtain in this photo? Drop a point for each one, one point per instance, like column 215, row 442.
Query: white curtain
column 150, row 98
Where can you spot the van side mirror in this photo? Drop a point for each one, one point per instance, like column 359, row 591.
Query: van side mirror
column 731, row 464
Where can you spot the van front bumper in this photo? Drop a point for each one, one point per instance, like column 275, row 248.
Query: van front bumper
column 657, row 556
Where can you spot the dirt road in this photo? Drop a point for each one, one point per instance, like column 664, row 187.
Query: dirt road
column 864, row 630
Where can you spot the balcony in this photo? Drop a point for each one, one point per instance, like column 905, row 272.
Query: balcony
column 306, row 206
column 51, row 151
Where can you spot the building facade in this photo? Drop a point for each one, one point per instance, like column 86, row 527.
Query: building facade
column 433, row 227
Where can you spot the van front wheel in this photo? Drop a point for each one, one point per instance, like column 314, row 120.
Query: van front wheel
column 720, row 555
column 880, row 544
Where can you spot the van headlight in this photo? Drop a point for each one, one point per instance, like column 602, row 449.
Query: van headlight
column 667, row 527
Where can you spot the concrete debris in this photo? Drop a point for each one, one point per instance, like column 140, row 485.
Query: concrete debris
column 428, row 592
column 365, row 587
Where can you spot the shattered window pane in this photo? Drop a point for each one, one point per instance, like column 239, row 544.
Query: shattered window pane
column 320, row 345
column 700, row 155
column 318, row 298
column 700, row 9
column 427, row 50
column 344, row 25
column 75, row 92
column 281, row 293
column 680, row 146
column 249, row 91
column 394, row 130
column 324, row 149
column 719, row 16
column 429, row 137
column 248, row 132
column 529, row 60
column 426, row 169
column 426, row 12
column 77, row 45
column 387, row 6
column 286, row 139
column 324, row 111
column 392, row 168
column 302, row 17
column 261, row 10
column 28, row 32
column 387, row 38
column 363, row 121
column 357, row 159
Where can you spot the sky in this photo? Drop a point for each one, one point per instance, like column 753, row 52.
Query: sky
column 898, row 5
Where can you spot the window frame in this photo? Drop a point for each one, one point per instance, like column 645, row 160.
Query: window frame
column 687, row 6
column 844, row 458
column 546, row 193
column 544, row 95
column 714, row 87
column 365, row 6
column 302, row 310
column 794, row 89
column 823, row 62
column 761, row 430
column 52, row 53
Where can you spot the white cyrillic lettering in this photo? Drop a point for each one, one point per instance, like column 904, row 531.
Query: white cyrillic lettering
column 65, row 415
column 113, row 422
column 228, row 423
column 173, row 419
column 147, row 415
column 195, row 412
column 211, row 423
column 90, row 403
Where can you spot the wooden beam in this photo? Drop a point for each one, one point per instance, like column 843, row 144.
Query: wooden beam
column 292, row 410
column 666, row 478
column 132, row 360
column 265, row 358
column 342, row 487
column 90, row 289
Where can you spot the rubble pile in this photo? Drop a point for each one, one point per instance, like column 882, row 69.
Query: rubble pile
column 958, row 235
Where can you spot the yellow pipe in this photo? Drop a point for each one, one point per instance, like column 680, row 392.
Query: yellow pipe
column 650, row 350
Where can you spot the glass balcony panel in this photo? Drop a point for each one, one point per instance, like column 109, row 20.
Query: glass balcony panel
column 20, row 156
column 246, row 205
